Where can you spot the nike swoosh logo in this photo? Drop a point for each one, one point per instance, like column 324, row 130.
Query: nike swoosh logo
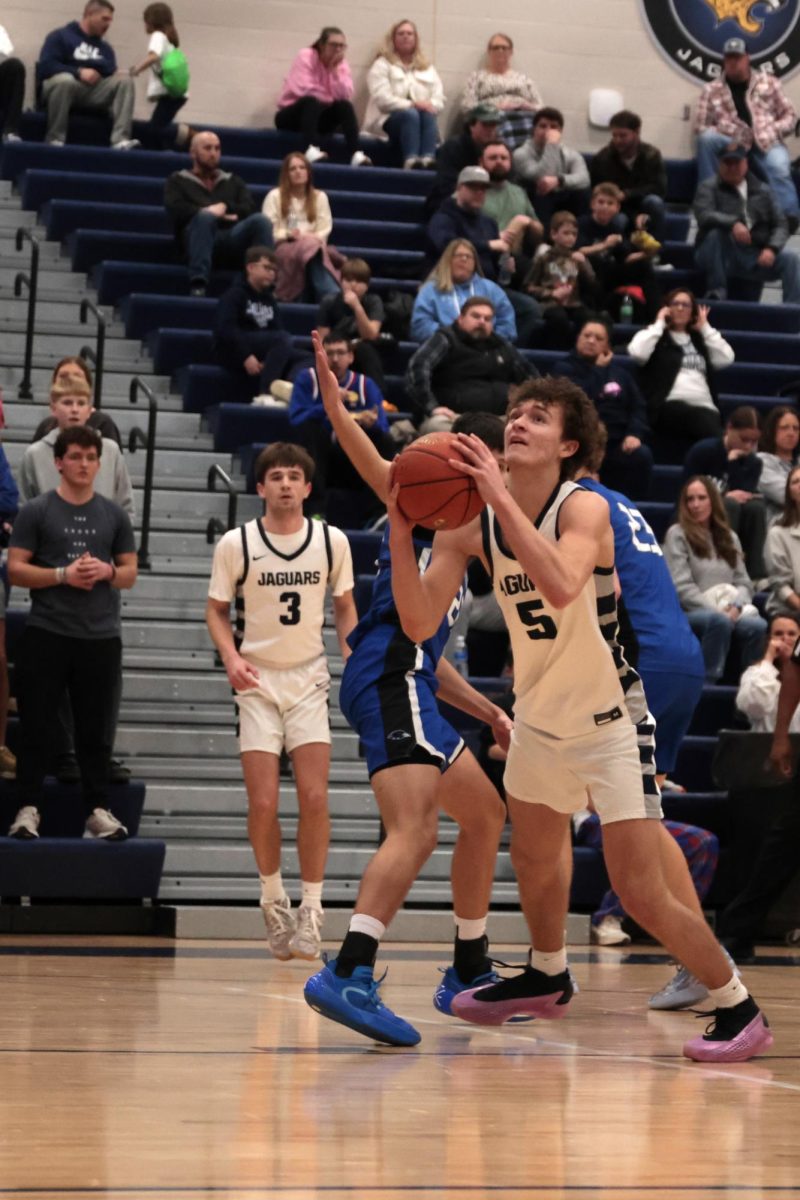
column 357, row 992
column 258, row 557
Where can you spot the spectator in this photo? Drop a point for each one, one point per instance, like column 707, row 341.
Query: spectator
column 461, row 216
column 312, row 429
column 563, row 281
column 317, row 97
column 75, row 367
column 510, row 207
column 405, row 97
column 705, row 559
column 513, row 93
column 213, row 213
column 732, row 464
column 9, row 503
column 78, row 67
column 741, row 231
column 464, row 367
column 783, row 552
column 556, row 176
column 628, row 462
column 159, row 23
column 12, row 90
column 248, row 328
column 637, row 169
column 75, row 550
column 463, row 150
column 778, row 455
column 457, row 276
column 356, row 314
column 617, row 263
column 301, row 221
column 760, row 684
column 678, row 357
column 750, row 108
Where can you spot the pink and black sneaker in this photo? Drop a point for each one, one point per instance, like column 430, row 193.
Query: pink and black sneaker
column 529, row 994
column 734, row 1035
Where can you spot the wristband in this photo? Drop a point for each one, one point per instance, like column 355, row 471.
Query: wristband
column 113, row 575
column 60, row 574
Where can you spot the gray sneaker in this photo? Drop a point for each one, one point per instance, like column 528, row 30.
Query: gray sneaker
column 26, row 823
column 103, row 824
column 280, row 923
column 684, row 989
column 306, row 940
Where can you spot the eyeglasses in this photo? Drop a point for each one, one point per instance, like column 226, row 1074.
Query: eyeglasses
column 337, row 45
column 508, row 48
column 680, row 304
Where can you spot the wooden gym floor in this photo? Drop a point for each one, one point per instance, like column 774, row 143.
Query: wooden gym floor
column 142, row 1068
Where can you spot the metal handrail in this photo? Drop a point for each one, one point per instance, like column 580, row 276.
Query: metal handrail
column 97, row 355
column 31, row 281
column 148, row 440
column 215, row 525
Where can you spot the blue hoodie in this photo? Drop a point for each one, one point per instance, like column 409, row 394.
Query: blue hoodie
column 306, row 402
column 69, row 49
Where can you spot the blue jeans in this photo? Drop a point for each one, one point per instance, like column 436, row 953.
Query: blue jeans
column 207, row 242
column 723, row 259
column 774, row 165
column 415, row 132
column 716, row 631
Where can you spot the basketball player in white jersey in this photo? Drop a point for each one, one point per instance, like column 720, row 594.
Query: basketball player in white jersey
column 277, row 570
column 548, row 546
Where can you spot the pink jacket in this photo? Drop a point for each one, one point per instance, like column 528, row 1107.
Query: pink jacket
column 308, row 77
column 773, row 115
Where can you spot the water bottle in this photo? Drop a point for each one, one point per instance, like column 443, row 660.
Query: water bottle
column 626, row 310
column 460, row 656
column 292, row 220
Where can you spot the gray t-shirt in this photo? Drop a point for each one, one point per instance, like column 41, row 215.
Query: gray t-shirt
column 57, row 533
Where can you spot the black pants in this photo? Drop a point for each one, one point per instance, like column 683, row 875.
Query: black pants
column 332, row 467
column 313, row 118
column 47, row 664
column 774, row 868
column 272, row 347
column 749, row 522
column 688, row 422
column 12, row 93
column 159, row 133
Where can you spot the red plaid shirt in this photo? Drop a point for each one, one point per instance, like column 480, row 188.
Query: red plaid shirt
column 773, row 115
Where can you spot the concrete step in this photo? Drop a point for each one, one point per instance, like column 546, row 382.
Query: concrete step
column 187, row 800
column 171, row 424
column 150, row 657
column 227, row 829
column 177, row 687
column 198, row 715
column 119, row 354
column 210, row 742
column 212, row 772
column 68, row 325
column 116, row 384
column 185, row 888
column 51, row 256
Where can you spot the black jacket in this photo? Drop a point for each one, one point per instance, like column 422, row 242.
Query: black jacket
column 709, row 457
column 658, row 374
column 646, row 176
column 184, row 196
column 468, row 374
column 615, row 395
column 242, row 310
column 717, row 205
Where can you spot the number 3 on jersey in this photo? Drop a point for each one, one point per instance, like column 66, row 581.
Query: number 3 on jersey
column 292, row 614
column 537, row 623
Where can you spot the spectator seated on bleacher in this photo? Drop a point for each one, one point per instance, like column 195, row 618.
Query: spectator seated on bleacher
column 213, row 213
column 782, row 552
column 678, row 357
column 67, row 369
column 733, row 465
column 628, row 463
column 563, row 281
column 555, row 175
column 461, row 216
column 705, row 559
column 248, row 329
column 311, row 428
column 512, row 92
column 760, row 684
column 604, row 239
column 356, row 313
column 457, row 276
column 12, row 89
column 510, row 206
column 778, row 452
column 638, row 170
column 742, row 231
column 301, row 221
column 405, row 97
column 317, row 97
column 464, row 367
column 77, row 67
column 462, row 150
column 9, row 503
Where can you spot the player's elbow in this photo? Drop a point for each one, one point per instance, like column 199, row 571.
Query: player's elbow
column 417, row 629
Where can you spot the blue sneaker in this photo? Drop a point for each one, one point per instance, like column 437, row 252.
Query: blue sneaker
column 450, row 985
column 354, row 1002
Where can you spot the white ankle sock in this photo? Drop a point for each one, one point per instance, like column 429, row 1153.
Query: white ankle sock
column 311, row 896
column 468, row 931
column 730, row 995
column 361, row 923
column 272, row 888
column 550, row 962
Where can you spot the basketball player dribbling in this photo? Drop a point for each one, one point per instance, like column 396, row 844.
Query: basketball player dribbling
column 417, row 765
column 548, row 547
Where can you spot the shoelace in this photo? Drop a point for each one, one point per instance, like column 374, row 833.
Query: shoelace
column 309, row 921
column 279, row 916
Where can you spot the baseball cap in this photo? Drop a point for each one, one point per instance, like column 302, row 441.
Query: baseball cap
column 734, row 46
column 486, row 113
column 474, row 175
column 733, row 151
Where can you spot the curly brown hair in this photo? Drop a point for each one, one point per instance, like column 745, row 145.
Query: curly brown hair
column 580, row 422
column 716, row 541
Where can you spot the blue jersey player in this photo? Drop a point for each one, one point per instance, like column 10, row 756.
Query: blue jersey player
column 417, row 765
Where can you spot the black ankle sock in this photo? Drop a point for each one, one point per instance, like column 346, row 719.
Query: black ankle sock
column 470, row 958
column 358, row 950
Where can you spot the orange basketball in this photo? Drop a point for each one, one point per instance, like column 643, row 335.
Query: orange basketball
column 432, row 493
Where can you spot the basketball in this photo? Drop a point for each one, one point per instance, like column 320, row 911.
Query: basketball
column 432, row 493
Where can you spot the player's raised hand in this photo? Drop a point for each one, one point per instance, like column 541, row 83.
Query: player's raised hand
column 482, row 465
column 328, row 383
column 242, row 675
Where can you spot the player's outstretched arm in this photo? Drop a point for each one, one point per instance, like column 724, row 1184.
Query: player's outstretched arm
column 373, row 469
column 454, row 689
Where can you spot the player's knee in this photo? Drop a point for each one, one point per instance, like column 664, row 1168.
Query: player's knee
column 486, row 818
column 537, row 870
column 313, row 803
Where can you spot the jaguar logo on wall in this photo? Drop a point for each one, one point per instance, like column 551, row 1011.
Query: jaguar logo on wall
column 691, row 33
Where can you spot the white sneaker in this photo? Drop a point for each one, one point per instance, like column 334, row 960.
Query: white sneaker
column 12, row 137
column 127, row 144
column 412, row 163
column 55, row 142
column 281, row 390
column 103, row 824
column 610, row 932
column 279, row 920
column 314, row 154
column 684, row 989
column 266, row 401
column 306, row 940
column 360, row 159
column 26, row 823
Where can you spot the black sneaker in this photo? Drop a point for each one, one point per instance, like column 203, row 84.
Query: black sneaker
column 67, row 769
column 118, row 772
column 529, row 994
column 734, row 1035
